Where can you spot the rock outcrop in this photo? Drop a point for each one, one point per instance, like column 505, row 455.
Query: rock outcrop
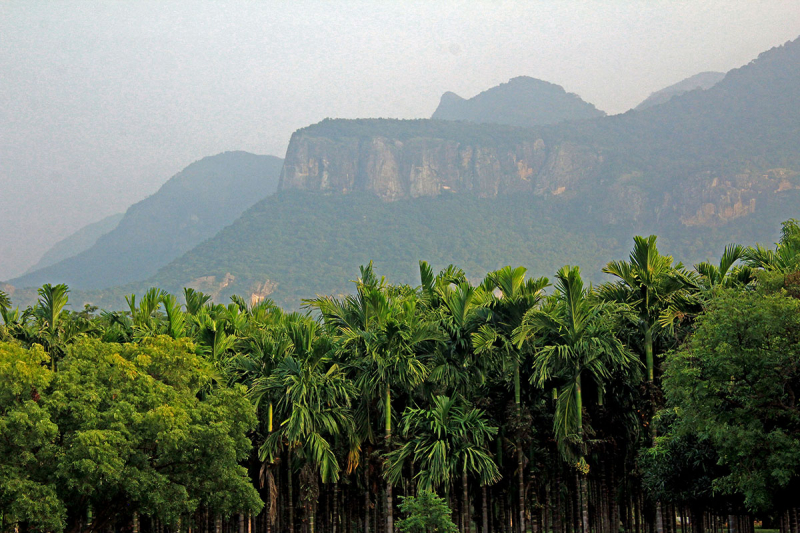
column 421, row 164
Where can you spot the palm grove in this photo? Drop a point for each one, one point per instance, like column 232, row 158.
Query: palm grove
column 665, row 398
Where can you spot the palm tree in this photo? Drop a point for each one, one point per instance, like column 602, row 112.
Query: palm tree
column 381, row 329
column 511, row 297
column 49, row 309
column 725, row 274
column 653, row 287
column 448, row 439
column 577, row 340
column 314, row 403
column 145, row 319
column 458, row 308
column 785, row 258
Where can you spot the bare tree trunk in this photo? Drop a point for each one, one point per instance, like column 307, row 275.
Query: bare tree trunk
column 521, row 484
column 388, row 428
column 135, row 522
column 465, row 514
column 484, row 510
column 289, row 493
column 557, row 509
column 335, row 510
column 584, row 504
column 366, row 498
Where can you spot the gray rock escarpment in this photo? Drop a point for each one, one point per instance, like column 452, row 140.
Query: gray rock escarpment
column 415, row 166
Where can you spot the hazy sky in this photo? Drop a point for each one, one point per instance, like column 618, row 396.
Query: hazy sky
column 101, row 102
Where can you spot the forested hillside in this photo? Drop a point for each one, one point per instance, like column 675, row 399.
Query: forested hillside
column 192, row 206
column 294, row 244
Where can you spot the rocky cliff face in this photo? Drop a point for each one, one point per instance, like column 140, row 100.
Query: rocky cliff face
column 414, row 166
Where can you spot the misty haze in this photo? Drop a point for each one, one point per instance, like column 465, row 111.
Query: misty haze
column 352, row 267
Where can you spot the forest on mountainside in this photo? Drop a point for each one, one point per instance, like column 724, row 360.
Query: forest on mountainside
column 661, row 399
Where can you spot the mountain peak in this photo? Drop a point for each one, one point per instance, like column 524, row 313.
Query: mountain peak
column 521, row 101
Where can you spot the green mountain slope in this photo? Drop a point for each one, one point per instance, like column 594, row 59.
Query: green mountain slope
column 296, row 244
column 81, row 240
column 189, row 208
column 522, row 101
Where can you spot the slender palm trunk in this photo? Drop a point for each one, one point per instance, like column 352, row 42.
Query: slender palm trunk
column 648, row 354
column 465, row 501
column 484, row 510
column 335, row 513
column 271, row 488
column 389, row 503
column 557, row 510
column 366, row 497
column 584, row 503
column 289, row 492
column 520, row 461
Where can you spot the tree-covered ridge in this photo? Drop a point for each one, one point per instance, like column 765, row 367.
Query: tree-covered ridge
column 190, row 207
column 366, row 128
column 528, row 403
column 522, row 101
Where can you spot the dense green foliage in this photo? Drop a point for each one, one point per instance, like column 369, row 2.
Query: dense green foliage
column 309, row 243
column 735, row 384
column 117, row 429
column 521, row 101
column 189, row 208
column 662, row 393
column 425, row 513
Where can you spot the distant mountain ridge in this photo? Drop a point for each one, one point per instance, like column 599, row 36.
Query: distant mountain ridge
column 81, row 240
column 191, row 207
column 703, row 81
column 522, row 101
column 701, row 170
column 704, row 157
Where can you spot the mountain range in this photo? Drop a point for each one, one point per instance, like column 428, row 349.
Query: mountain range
column 701, row 168
column 189, row 208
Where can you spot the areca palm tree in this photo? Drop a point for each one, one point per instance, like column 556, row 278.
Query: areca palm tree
column 382, row 330
column 313, row 401
column 458, row 307
column 726, row 273
column 49, row 310
column 786, row 256
column 653, row 287
column 511, row 297
column 576, row 340
column 448, row 440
